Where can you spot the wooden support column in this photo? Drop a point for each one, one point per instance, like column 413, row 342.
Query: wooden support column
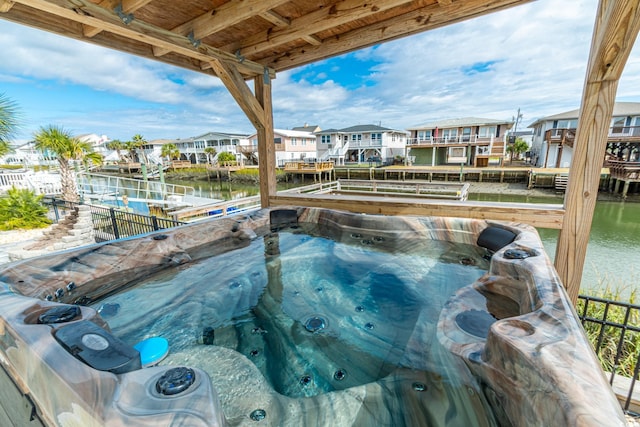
column 615, row 31
column 266, row 144
column 259, row 111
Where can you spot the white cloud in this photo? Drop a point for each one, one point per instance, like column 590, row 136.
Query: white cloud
column 531, row 57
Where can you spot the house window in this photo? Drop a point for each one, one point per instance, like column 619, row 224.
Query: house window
column 376, row 137
column 424, row 135
column 457, row 152
column 617, row 125
column 356, row 137
column 303, row 141
column 294, row 141
column 486, row 131
column 325, row 139
column 277, row 140
column 569, row 124
column 448, row 134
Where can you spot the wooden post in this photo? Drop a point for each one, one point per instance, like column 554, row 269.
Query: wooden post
column 616, row 28
column 266, row 144
column 259, row 111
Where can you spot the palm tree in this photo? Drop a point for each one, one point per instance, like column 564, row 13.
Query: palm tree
column 170, row 151
column 136, row 143
column 66, row 149
column 9, row 121
column 116, row 145
column 211, row 153
column 519, row 146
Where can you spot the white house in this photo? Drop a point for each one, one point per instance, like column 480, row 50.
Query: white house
column 193, row 149
column 360, row 143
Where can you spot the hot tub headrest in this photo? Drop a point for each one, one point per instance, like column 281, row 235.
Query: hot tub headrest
column 495, row 238
column 283, row 217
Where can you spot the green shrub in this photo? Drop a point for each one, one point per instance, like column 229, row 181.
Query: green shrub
column 225, row 156
column 22, row 209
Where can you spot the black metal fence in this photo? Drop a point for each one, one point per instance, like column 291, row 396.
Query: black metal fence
column 612, row 328
column 110, row 223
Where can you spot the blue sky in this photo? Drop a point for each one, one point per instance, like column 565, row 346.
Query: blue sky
column 531, row 57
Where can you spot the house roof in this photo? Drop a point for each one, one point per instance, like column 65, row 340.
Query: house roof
column 277, row 34
column 307, row 128
column 294, row 133
column 220, row 134
column 367, row 128
column 619, row 109
column 460, row 122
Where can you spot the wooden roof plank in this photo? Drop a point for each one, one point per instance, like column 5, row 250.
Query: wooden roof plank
column 426, row 18
column 85, row 12
column 228, row 14
column 322, row 19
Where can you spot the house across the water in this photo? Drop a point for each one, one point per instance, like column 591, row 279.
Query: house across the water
column 470, row 141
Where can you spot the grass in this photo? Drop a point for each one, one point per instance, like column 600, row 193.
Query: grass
column 613, row 328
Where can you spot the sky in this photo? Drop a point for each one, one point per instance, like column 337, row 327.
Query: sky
column 530, row 58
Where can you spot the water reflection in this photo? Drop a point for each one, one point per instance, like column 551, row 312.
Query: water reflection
column 613, row 254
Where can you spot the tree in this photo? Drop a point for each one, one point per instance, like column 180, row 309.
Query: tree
column 9, row 122
column 225, row 156
column 137, row 141
column 211, row 153
column 116, row 145
column 66, row 149
column 518, row 147
column 170, row 151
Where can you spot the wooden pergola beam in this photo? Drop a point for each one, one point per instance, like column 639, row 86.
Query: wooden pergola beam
column 128, row 6
column 312, row 23
column 235, row 84
column 91, row 14
column 431, row 16
column 5, row 5
column 615, row 31
column 259, row 110
column 218, row 19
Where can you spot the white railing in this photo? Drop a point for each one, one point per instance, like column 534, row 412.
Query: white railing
column 97, row 186
column 38, row 182
column 458, row 139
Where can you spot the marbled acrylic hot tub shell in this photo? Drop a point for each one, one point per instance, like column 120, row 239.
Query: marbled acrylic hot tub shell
column 514, row 329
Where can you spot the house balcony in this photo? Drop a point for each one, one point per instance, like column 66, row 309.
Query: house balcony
column 445, row 141
column 617, row 134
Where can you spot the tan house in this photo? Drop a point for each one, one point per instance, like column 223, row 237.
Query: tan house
column 290, row 145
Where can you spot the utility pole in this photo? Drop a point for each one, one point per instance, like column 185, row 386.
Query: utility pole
column 516, row 119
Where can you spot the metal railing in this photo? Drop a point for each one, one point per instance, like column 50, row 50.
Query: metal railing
column 112, row 224
column 613, row 327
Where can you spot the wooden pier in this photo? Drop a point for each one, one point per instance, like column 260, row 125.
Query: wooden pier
column 623, row 172
column 314, row 168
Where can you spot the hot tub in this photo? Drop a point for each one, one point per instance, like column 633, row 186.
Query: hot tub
column 303, row 316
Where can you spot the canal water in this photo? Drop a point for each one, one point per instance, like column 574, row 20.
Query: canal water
column 613, row 254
